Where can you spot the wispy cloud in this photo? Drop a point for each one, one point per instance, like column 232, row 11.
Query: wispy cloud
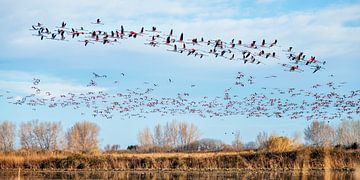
column 323, row 31
column 20, row 82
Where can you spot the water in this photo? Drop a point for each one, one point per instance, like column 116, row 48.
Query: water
column 8, row 175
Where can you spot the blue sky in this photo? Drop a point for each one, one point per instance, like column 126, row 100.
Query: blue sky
column 328, row 29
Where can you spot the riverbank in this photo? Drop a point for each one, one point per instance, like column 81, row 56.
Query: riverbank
column 305, row 159
column 39, row 175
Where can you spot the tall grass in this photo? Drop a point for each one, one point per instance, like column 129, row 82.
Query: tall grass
column 301, row 159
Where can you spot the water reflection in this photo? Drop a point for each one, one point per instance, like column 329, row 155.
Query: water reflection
column 176, row 175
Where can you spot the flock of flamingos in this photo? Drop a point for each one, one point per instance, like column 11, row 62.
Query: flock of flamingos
column 320, row 101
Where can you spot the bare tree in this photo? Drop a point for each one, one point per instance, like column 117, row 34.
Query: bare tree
column 236, row 143
column 47, row 135
column 171, row 134
column 348, row 132
column 261, row 140
column 145, row 138
column 83, row 136
column 40, row 135
column 27, row 136
column 183, row 133
column 188, row 133
column 112, row 148
column 158, row 136
column 193, row 133
column 319, row 134
column 7, row 136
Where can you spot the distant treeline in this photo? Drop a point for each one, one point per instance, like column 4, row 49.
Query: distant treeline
column 49, row 136
column 182, row 136
column 173, row 136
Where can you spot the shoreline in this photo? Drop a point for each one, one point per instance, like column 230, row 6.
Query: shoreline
column 176, row 174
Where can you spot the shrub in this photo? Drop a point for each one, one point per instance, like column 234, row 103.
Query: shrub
column 279, row 144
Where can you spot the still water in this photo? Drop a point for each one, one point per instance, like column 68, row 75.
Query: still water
column 177, row 175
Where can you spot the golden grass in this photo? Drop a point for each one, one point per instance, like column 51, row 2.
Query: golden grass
column 357, row 171
column 176, row 154
column 286, row 160
column 279, row 144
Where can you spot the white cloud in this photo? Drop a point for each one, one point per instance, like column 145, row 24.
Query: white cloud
column 321, row 32
column 20, row 82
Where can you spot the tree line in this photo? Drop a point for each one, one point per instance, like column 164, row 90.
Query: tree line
column 172, row 136
column 49, row 136
column 183, row 136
